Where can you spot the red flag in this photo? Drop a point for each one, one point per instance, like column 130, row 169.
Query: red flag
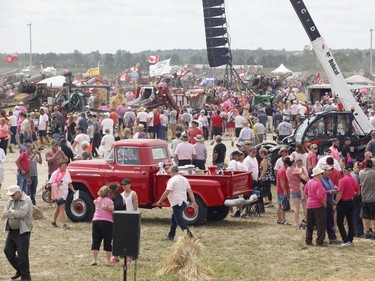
column 123, row 77
column 153, row 59
column 182, row 72
column 11, row 58
column 134, row 69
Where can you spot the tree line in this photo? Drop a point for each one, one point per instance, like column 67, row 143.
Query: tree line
column 349, row 60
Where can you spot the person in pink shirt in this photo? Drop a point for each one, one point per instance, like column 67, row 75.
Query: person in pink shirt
column 312, row 158
column 316, row 207
column 348, row 188
column 295, row 174
column 120, row 110
column 102, row 225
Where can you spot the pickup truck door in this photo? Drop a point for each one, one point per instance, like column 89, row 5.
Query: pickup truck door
column 125, row 163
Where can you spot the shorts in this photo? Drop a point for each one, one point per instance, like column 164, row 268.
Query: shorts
column 230, row 124
column 217, row 131
column 150, row 129
column 295, row 195
column 280, row 198
column 60, row 202
column 368, row 211
column 238, row 130
column 42, row 133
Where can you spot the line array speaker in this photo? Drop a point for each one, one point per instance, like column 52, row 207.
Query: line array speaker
column 217, row 42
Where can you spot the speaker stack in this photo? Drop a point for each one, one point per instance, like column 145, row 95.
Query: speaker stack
column 217, row 39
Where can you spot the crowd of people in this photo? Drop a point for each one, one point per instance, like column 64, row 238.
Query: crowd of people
column 329, row 190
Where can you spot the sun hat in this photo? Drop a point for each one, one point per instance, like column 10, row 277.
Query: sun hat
column 198, row 137
column 282, row 149
column 317, row 171
column 13, row 189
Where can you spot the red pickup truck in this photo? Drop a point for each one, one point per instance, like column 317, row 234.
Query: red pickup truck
column 138, row 160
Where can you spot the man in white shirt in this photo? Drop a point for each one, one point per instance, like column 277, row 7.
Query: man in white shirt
column 142, row 117
column 293, row 113
column 43, row 126
column 246, row 133
column 80, row 137
column 107, row 123
column 177, row 188
column 107, row 142
column 13, row 130
column 251, row 164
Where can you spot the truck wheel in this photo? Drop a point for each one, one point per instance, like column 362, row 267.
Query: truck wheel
column 195, row 216
column 217, row 213
column 81, row 209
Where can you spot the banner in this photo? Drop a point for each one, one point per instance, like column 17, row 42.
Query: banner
column 94, row 71
column 160, row 68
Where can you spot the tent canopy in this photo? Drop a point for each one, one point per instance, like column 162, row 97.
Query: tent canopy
column 358, row 79
column 281, row 70
column 54, row 82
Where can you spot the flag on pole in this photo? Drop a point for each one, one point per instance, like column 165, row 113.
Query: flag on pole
column 160, row 68
column 124, row 77
column 153, row 59
column 93, row 71
column 11, row 58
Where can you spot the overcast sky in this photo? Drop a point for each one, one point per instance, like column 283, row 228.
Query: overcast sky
column 62, row 26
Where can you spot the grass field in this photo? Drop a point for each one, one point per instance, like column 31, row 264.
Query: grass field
column 255, row 248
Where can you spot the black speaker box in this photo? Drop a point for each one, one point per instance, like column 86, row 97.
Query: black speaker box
column 126, row 233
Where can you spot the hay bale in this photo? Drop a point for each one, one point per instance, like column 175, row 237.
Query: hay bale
column 185, row 260
column 37, row 213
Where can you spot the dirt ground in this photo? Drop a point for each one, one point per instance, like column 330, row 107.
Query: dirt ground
column 255, row 248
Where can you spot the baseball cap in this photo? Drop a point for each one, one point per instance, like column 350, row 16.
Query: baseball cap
column 348, row 167
column 185, row 136
column 240, row 144
column 13, row 189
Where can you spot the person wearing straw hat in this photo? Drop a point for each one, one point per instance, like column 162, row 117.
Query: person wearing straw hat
column 200, row 152
column 316, row 207
column 18, row 212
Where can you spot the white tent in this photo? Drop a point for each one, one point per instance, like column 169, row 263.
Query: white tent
column 54, row 82
column 358, row 79
column 281, row 70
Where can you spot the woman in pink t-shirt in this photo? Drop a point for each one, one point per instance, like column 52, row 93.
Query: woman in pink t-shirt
column 294, row 174
column 102, row 224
